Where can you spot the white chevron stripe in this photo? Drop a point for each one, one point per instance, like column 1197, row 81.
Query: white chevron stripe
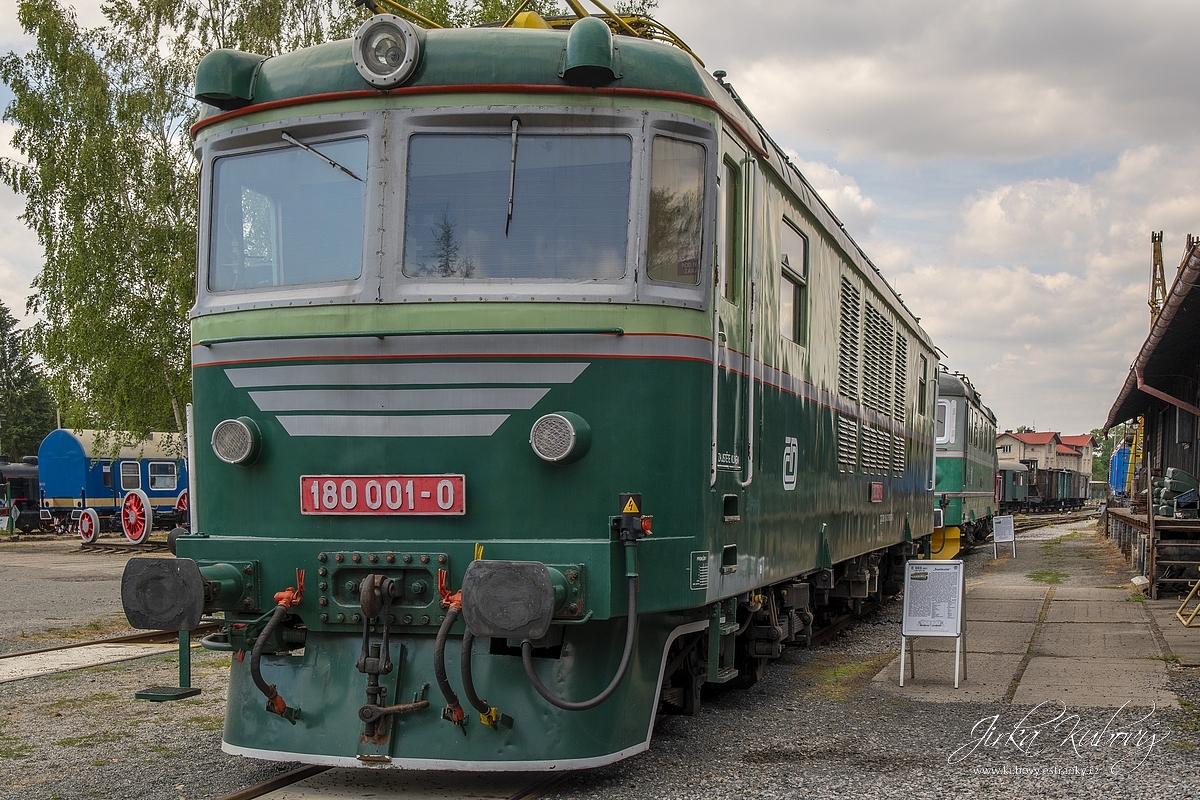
column 393, row 426
column 398, row 399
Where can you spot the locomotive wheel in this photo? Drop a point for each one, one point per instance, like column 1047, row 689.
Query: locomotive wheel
column 137, row 517
column 23, row 521
column 89, row 526
column 181, row 502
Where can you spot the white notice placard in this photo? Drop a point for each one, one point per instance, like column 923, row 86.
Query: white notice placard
column 933, row 597
column 1003, row 530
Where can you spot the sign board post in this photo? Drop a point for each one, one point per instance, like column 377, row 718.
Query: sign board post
column 934, row 600
column 1003, row 531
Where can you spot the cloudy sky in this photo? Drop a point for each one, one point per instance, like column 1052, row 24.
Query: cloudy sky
column 1003, row 161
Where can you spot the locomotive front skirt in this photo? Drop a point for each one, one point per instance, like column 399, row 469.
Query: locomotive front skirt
column 541, row 390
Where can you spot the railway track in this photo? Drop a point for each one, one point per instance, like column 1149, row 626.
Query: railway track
column 41, row 662
column 1033, row 522
column 117, row 546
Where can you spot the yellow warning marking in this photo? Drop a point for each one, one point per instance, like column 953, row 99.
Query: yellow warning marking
column 630, row 508
column 478, row 551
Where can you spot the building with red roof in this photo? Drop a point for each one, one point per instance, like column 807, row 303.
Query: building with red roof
column 1047, row 450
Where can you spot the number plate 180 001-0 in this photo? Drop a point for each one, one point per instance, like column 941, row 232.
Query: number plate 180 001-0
column 413, row 495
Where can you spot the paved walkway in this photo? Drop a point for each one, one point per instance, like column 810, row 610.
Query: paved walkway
column 1058, row 623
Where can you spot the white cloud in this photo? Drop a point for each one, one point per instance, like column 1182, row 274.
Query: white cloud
column 1042, row 300
column 842, row 192
column 938, row 78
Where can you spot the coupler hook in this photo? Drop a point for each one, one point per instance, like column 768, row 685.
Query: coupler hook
column 375, row 659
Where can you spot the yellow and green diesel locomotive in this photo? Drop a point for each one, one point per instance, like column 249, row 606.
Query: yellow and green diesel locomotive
column 534, row 389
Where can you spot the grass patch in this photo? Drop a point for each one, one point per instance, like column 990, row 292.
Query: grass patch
column 100, row 626
column 208, row 723
column 1051, row 576
column 76, row 702
column 1135, row 598
column 12, row 747
column 837, row 677
column 90, row 741
column 1191, row 717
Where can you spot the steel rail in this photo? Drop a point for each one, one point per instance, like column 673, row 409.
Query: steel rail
column 146, row 637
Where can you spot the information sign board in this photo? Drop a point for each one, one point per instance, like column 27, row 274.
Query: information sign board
column 933, row 598
column 1003, row 530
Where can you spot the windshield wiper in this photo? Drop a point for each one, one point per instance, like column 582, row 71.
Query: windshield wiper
column 512, row 175
column 287, row 137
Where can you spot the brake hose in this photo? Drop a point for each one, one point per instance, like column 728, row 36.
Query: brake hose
column 275, row 703
column 584, row 705
column 454, row 711
column 468, row 681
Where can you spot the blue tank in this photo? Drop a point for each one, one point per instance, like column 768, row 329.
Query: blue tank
column 1118, row 470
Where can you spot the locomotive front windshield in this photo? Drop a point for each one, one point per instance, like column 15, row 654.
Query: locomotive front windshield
column 569, row 200
column 283, row 217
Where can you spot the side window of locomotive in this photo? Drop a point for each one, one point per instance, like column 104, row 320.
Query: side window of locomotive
column 729, row 249
column 283, row 217
column 793, row 284
column 945, row 422
column 676, row 211
column 131, row 476
column 568, row 196
column 162, row 476
column 106, row 474
column 922, row 386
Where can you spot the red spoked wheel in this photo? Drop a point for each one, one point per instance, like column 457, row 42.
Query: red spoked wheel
column 89, row 526
column 181, row 502
column 137, row 517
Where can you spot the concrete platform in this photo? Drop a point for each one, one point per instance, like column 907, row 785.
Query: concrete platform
column 1108, row 640
column 985, row 637
column 1096, row 611
column 998, row 591
column 987, row 681
column 1092, row 594
column 1092, row 646
column 1184, row 642
column 988, row 610
column 1104, row 681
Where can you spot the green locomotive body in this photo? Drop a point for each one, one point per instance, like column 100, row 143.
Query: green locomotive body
column 967, row 466
column 474, row 331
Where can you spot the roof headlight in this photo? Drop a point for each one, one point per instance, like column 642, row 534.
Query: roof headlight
column 386, row 50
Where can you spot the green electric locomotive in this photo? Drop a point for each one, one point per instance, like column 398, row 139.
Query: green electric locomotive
column 526, row 368
column 966, row 489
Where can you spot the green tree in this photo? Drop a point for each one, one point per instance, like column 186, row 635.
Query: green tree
column 25, row 404
column 101, row 119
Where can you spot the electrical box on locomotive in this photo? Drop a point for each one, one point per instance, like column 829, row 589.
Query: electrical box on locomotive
column 525, row 366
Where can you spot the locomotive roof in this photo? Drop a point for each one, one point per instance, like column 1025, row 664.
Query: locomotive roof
column 954, row 384
column 521, row 60
column 1012, row 466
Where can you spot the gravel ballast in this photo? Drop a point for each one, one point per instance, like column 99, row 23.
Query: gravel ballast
column 814, row 726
